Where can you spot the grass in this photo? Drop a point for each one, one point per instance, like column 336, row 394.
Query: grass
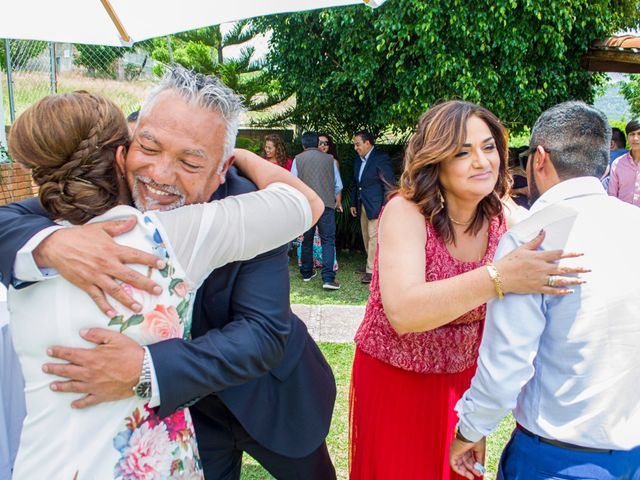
column 351, row 292
column 340, row 357
column 30, row 86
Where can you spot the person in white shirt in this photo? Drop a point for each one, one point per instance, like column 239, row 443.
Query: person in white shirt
column 567, row 366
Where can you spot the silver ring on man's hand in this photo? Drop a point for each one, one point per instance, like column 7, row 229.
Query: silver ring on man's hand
column 552, row 280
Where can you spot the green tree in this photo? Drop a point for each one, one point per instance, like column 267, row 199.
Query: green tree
column 353, row 67
column 203, row 51
column 631, row 92
column 21, row 51
column 99, row 59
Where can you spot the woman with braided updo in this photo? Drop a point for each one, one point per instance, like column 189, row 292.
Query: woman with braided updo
column 76, row 145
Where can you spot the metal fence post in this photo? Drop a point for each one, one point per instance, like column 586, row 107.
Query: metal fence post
column 3, row 133
column 52, row 68
column 7, row 52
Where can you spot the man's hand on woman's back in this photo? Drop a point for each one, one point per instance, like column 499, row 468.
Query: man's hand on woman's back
column 88, row 257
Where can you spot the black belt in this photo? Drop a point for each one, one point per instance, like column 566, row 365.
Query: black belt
column 559, row 444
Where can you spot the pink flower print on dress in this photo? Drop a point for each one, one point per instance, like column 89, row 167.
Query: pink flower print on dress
column 179, row 288
column 163, row 323
column 146, row 456
column 177, row 426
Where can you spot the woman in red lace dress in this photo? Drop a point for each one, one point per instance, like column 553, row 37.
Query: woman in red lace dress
column 418, row 343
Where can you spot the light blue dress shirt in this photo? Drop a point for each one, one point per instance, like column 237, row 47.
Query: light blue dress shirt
column 568, row 366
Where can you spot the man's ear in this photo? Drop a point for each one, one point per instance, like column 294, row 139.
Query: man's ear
column 121, row 161
column 539, row 158
column 225, row 168
column 544, row 168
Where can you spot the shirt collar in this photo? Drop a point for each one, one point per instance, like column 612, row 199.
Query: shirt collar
column 366, row 157
column 574, row 187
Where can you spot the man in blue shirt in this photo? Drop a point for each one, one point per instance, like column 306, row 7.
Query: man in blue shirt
column 568, row 365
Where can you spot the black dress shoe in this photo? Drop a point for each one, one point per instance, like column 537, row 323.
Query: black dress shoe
column 366, row 278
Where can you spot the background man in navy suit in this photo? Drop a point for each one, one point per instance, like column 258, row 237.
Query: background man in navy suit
column 372, row 179
column 252, row 375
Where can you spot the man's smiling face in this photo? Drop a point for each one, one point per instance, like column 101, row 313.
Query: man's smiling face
column 175, row 157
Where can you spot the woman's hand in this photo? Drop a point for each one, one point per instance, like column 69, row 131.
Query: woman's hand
column 527, row 270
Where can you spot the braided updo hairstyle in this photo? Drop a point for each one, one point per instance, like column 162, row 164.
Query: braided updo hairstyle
column 69, row 142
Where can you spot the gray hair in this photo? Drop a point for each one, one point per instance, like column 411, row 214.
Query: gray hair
column 577, row 137
column 205, row 91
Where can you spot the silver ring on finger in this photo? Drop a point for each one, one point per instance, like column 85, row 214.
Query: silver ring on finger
column 552, row 280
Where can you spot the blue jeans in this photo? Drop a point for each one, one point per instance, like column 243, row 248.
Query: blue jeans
column 527, row 458
column 327, row 230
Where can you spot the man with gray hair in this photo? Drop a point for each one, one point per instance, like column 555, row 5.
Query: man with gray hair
column 568, row 366
column 252, row 376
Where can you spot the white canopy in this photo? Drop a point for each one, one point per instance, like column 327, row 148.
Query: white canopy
column 123, row 22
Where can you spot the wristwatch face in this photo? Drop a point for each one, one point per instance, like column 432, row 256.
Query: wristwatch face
column 143, row 390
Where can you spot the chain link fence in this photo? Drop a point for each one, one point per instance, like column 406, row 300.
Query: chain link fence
column 33, row 69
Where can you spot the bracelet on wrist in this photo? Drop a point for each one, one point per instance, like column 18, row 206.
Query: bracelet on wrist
column 496, row 278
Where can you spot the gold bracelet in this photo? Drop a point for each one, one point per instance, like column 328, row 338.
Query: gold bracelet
column 496, row 278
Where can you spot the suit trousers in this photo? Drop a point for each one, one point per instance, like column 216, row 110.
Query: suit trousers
column 369, row 237
column 223, row 442
column 527, row 458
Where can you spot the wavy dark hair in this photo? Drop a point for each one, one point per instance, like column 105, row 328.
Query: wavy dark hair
column 440, row 135
column 69, row 142
column 333, row 150
column 281, row 150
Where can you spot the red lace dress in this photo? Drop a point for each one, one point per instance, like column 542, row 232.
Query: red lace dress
column 404, row 387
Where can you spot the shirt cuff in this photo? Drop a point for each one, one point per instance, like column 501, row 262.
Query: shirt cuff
column 468, row 432
column 154, row 401
column 25, row 268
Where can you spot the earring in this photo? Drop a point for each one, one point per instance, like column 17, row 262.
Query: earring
column 441, row 199
column 439, row 208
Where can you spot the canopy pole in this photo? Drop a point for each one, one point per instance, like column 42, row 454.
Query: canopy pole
column 116, row 21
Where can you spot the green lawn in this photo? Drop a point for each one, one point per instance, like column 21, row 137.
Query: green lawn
column 351, row 292
column 340, row 357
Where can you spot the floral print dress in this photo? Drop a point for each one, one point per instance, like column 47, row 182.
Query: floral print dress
column 121, row 440
column 125, row 439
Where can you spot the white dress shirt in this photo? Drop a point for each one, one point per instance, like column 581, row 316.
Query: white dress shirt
column 568, row 366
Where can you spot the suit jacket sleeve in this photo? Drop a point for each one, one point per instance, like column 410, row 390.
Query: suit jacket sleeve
column 18, row 223
column 385, row 171
column 248, row 346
